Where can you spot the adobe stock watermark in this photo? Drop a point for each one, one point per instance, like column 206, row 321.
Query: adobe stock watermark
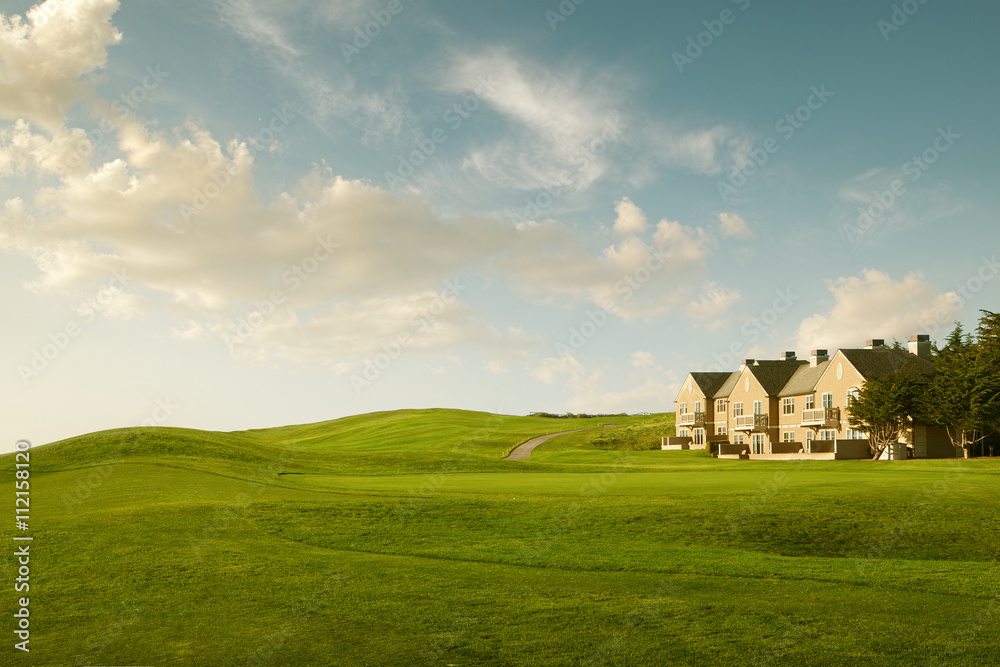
column 263, row 140
column 625, row 289
column 562, row 12
column 94, row 479
column 987, row 270
column 123, row 106
column 589, row 151
column 899, row 17
column 910, row 518
column 365, row 33
column 454, row 117
column 268, row 650
column 597, row 486
column 608, row 652
column 874, row 215
column 58, row 341
column 434, row 482
column 697, row 44
column 787, row 126
column 393, row 349
column 753, row 329
column 294, row 277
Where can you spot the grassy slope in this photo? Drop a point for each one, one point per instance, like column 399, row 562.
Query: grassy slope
column 404, row 540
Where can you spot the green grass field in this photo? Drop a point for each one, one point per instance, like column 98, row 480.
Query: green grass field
column 402, row 538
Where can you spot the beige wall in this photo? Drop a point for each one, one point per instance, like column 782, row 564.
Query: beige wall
column 740, row 394
column 829, row 383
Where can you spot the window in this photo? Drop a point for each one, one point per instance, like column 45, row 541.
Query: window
column 720, row 430
column 699, row 436
column 788, row 406
column 682, row 433
column 788, row 436
column 720, row 405
column 851, row 395
column 738, row 439
column 809, row 436
column 757, row 441
column 683, row 408
column 828, row 400
column 854, row 434
column 810, row 402
column 697, row 406
column 758, row 407
column 828, row 434
column 737, row 409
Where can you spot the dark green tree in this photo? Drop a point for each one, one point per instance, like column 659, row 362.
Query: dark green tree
column 957, row 396
column 884, row 405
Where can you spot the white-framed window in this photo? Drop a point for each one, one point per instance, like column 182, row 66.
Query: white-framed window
column 737, row 438
column 851, row 395
column 699, row 436
column 720, row 430
column 828, row 400
column 827, row 434
column 810, row 436
column 810, row 402
column 757, row 441
column 788, row 406
column 758, row 407
column 720, row 405
column 682, row 433
column 788, row 436
column 697, row 406
column 738, row 409
column 854, row 434
column 682, row 408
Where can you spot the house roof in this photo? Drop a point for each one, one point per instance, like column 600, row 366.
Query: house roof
column 804, row 380
column 773, row 375
column 879, row 362
column 727, row 387
column 709, row 383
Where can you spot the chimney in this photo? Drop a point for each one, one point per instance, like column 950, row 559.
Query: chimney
column 788, row 356
column 920, row 345
column 817, row 357
column 875, row 343
column 748, row 362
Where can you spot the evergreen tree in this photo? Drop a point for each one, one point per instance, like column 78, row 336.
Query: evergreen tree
column 883, row 407
column 958, row 393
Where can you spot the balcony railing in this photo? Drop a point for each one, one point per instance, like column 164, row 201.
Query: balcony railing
column 755, row 423
column 691, row 419
column 821, row 417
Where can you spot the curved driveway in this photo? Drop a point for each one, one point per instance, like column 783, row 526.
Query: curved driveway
column 524, row 450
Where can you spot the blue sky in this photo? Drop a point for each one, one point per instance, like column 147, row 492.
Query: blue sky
column 248, row 213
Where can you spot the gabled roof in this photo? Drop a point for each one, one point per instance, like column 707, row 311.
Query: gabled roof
column 879, row 362
column 727, row 387
column 709, row 383
column 804, row 380
column 773, row 375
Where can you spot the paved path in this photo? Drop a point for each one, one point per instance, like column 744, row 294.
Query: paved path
column 524, row 450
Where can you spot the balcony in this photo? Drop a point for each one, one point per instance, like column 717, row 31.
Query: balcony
column 825, row 417
column 695, row 419
column 754, row 423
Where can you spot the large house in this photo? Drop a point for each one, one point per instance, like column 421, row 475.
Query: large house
column 792, row 408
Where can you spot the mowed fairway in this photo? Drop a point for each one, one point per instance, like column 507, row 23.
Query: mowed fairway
column 402, row 538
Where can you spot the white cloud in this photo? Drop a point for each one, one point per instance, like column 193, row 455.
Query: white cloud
column 875, row 306
column 643, row 359
column 714, row 303
column 44, row 54
column 731, row 224
column 566, row 125
column 631, row 219
column 495, row 366
column 686, row 245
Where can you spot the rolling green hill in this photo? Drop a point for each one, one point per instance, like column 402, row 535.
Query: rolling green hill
column 402, row 538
